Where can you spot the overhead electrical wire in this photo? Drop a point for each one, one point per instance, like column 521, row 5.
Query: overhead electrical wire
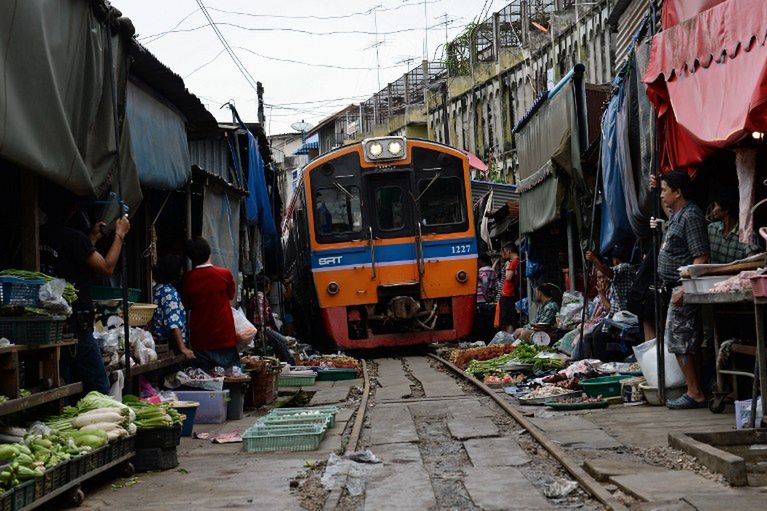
column 238, row 63
column 367, row 12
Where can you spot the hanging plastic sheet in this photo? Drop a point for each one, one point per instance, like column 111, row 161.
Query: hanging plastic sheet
column 221, row 227
column 615, row 223
column 159, row 143
column 549, row 157
column 56, row 107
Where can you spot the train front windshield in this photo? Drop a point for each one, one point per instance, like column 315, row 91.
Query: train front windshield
column 350, row 202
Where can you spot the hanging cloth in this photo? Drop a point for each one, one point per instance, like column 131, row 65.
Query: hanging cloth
column 745, row 164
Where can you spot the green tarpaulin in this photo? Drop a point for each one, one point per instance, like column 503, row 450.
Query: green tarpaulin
column 56, row 107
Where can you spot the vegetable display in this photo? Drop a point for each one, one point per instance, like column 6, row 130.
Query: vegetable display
column 462, row 358
column 96, row 413
column 148, row 416
column 70, row 293
column 491, row 366
column 528, row 354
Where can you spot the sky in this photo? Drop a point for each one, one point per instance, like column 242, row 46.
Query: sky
column 267, row 35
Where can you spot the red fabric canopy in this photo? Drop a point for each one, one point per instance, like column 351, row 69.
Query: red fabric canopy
column 679, row 11
column 708, row 80
column 476, row 163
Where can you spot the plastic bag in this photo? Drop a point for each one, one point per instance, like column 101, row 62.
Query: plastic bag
column 194, row 377
column 647, row 356
column 743, row 413
column 245, row 330
column 51, row 296
column 502, row 337
column 571, row 311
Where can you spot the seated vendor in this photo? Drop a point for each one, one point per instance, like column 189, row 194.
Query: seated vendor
column 207, row 292
column 169, row 321
column 548, row 296
column 600, row 307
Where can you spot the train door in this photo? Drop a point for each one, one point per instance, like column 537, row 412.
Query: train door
column 390, row 205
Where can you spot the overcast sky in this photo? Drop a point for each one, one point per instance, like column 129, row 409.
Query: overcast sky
column 178, row 33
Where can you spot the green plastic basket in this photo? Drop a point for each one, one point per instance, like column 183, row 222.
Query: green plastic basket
column 23, row 330
column 305, row 437
column 294, row 420
column 296, row 381
column 114, row 293
column 605, row 386
column 301, row 412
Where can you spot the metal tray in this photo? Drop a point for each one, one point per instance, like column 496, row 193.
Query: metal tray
column 548, row 399
column 515, row 367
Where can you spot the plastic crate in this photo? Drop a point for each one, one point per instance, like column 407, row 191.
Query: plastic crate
column 49, row 482
column 212, row 409
column 305, row 437
column 161, row 438
column 18, row 292
column 293, row 420
column 336, row 374
column 114, row 293
column 23, row 495
column 76, row 467
column 155, row 459
column 97, row 458
column 6, row 500
column 330, row 410
column 32, row 330
column 296, row 381
column 605, row 386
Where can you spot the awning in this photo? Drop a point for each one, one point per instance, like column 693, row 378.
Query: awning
column 549, row 155
column 312, row 144
column 475, row 162
column 709, row 87
column 679, row 11
column 158, row 140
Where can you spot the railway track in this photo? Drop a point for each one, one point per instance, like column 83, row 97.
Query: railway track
column 450, row 442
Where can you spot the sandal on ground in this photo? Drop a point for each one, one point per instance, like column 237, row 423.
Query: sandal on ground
column 685, row 403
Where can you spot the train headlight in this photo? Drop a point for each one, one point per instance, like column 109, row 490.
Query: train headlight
column 333, row 288
column 462, row 277
column 375, row 149
column 384, row 149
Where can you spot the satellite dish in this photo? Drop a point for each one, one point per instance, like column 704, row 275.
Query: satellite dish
column 301, row 127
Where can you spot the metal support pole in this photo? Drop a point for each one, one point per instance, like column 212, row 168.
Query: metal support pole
column 445, row 115
column 570, row 252
column 496, row 37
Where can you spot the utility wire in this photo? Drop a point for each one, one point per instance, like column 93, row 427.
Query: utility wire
column 335, row 17
column 240, row 66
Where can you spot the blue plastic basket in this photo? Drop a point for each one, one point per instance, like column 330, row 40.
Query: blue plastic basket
column 18, row 292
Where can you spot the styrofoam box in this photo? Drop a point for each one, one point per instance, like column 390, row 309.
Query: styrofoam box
column 213, row 404
column 702, row 284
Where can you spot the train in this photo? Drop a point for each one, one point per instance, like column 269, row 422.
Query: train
column 380, row 247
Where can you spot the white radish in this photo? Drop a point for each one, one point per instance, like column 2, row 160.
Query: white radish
column 103, row 426
column 115, row 434
column 84, row 420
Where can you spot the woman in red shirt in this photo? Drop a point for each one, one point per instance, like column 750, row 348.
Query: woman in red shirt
column 509, row 292
column 207, row 293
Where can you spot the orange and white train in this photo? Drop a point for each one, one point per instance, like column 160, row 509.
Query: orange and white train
column 380, row 245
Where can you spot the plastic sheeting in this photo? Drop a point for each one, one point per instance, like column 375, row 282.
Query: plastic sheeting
column 159, row 143
column 56, row 108
column 221, row 227
column 258, row 207
column 615, row 222
column 549, row 156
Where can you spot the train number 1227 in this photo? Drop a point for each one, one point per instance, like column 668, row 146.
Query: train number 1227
column 461, row 249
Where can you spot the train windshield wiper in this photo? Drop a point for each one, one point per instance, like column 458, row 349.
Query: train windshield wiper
column 433, row 180
column 343, row 190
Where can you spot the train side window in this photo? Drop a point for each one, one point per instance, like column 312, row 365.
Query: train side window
column 442, row 202
column 336, row 212
column 390, row 208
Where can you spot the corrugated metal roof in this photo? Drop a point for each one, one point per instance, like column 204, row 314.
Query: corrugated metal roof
column 630, row 21
column 502, row 193
column 211, row 155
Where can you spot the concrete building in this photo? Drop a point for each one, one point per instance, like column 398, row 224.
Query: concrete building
column 497, row 68
column 287, row 162
column 337, row 129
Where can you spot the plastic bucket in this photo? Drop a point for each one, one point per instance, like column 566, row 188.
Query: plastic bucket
column 189, row 409
column 236, row 404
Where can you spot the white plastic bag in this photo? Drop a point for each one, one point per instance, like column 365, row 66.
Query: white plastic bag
column 647, row 356
column 571, row 311
column 502, row 337
column 245, row 330
column 743, row 413
column 51, row 296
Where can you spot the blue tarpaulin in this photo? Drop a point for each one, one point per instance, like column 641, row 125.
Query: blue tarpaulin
column 258, row 208
column 158, row 140
column 615, row 223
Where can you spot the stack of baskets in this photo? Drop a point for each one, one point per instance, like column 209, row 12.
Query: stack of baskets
column 19, row 293
column 290, row 429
